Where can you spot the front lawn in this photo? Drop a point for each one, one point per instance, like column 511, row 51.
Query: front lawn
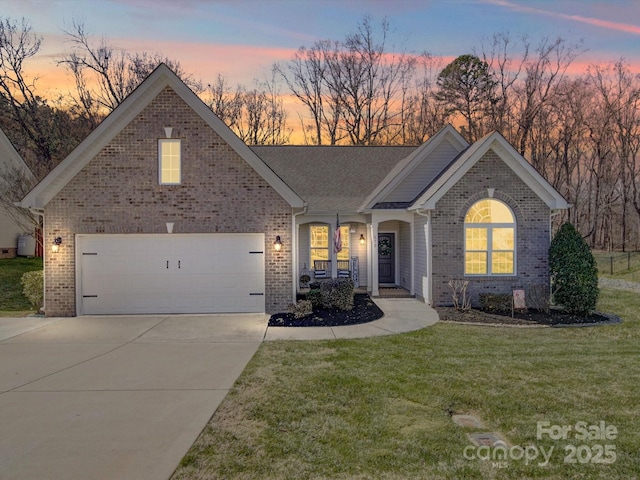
column 12, row 301
column 382, row 407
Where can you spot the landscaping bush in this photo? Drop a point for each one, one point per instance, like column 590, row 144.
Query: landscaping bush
column 301, row 309
column 495, row 302
column 337, row 293
column 33, row 288
column 538, row 297
column 315, row 297
column 461, row 299
column 574, row 274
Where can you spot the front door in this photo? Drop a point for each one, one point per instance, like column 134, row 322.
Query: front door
column 386, row 258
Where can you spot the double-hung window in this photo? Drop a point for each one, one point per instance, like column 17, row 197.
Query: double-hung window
column 319, row 242
column 169, row 160
column 489, row 228
column 344, row 237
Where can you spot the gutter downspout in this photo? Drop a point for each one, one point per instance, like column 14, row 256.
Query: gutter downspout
column 294, row 251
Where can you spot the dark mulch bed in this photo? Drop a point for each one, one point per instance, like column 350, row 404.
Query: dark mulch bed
column 364, row 310
column 555, row 318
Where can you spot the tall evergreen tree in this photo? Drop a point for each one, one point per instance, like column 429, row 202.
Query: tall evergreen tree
column 467, row 87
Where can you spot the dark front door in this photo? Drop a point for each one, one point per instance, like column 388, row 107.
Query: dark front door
column 386, row 258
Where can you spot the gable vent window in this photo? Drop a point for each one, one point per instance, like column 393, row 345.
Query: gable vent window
column 169, row 158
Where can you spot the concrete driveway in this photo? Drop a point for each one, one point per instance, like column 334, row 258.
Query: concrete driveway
column 119, row 397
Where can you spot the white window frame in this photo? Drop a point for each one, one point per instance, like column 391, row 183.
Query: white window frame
column 490, row 227
column 164, row 157
column 345, row 234
column 311, row 246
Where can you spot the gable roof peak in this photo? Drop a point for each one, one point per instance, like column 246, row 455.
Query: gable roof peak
column 404, row 168
column 159, row 79
column 508, row 154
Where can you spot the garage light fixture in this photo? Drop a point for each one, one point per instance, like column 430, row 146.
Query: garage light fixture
column 55, row 246
column 277, row 245
column 362, row 240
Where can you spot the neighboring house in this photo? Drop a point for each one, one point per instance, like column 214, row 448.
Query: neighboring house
column 246, row 221
column 10, row 229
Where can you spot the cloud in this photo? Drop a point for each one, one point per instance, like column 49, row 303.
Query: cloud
column 620, row 27
column 239, row 63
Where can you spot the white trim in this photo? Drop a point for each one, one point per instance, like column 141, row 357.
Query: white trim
column 396, row 257
column 490, row 227
column 373, row 277
column 509, row 156
column 429, row 247
column 329, row 241
column 162, row 141
column 151, row 87
column 412, row 234
column 407, row 165
column 78, row 255
column 295, row 252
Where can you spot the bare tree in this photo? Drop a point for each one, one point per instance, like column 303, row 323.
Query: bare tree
column 263, row 118
column 506, row 64
column 307, row 71
column 26, row 116
column 15, row 183
column 565, row 168
column 224, row 101
column 352, row 89
column 619, row 92
column 544, row 69
column 422, row 114
column 368, row 78
column 116, row 73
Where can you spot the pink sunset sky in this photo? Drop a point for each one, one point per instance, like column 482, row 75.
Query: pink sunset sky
column 242, row 39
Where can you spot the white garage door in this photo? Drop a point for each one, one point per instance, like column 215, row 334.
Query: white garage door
column 170, row 273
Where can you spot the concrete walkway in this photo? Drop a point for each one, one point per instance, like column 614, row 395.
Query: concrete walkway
column 400, row 315
column 124, row 397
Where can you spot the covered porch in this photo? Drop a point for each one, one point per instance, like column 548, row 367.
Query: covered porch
column 378, row 251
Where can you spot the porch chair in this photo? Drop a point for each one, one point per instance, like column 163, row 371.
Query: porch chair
column 344, row 270
column 321, row 269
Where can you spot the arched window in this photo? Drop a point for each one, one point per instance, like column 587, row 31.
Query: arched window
column 489, row 244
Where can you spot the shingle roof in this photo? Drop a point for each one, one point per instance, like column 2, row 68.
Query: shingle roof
column 332, row 179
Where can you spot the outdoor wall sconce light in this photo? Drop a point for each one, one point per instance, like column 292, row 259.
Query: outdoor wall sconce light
column 362, row 240
column 277, row 245
column 55, row 246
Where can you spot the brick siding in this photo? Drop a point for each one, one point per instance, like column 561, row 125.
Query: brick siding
column 118, row 192
column 532, row 231
column 8, row 252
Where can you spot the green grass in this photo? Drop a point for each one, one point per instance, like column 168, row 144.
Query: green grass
column 625, row 265
column 12, row 301
column 381, row 408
